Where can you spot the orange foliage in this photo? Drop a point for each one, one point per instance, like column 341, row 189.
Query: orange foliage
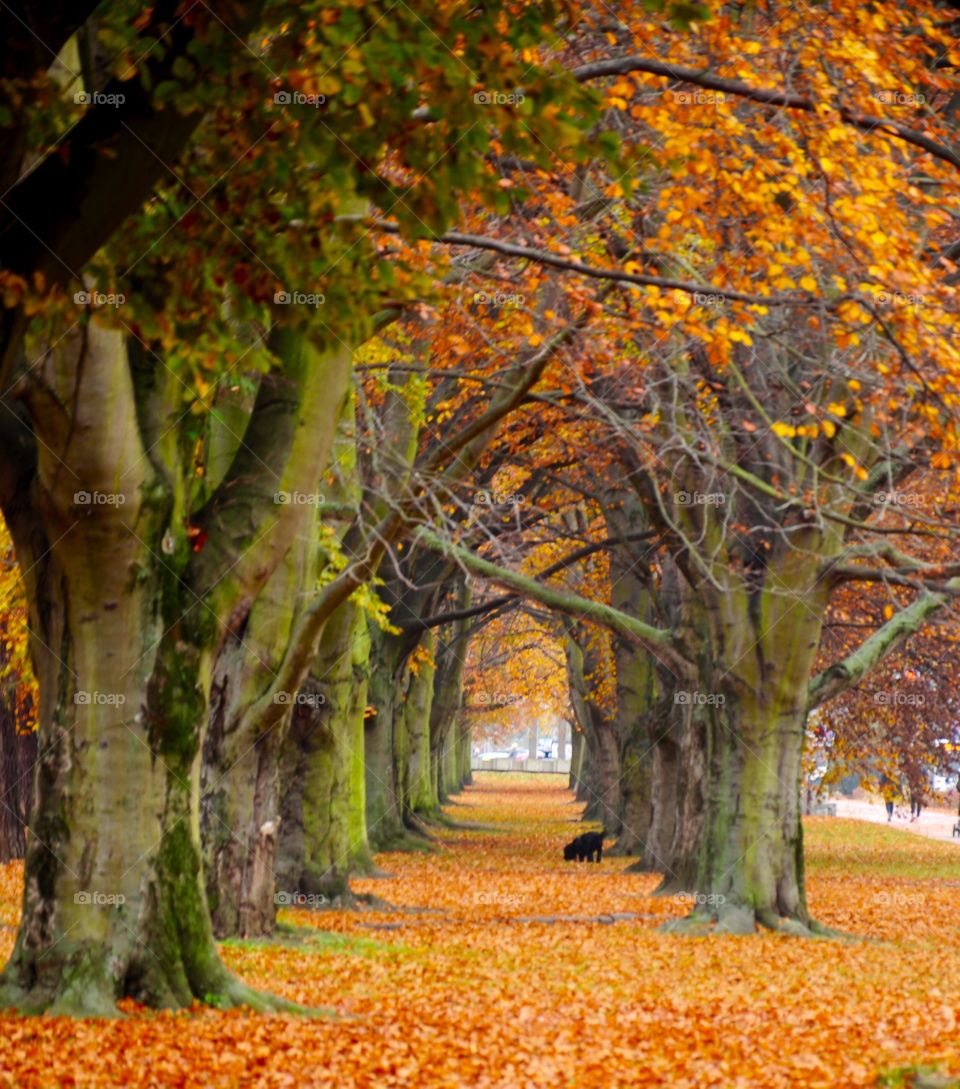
column 471, row 993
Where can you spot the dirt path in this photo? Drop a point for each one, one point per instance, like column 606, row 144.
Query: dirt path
column 933, row 823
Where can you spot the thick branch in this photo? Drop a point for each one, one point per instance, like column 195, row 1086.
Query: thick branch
column 506, row 599
column 659, row 642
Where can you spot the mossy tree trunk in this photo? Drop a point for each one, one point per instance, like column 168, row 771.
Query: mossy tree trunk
column 741, row 851
column 127, row 618
column 240, row 783
column 600, row 775
column 412, row 736
column 464, row 744
column 384, row 813
column 323, row 831
column 451, row 653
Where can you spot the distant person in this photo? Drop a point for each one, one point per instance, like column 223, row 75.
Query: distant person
column 916, row 803
column 888, row 790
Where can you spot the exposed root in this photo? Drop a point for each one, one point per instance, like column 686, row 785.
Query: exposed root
column 741, row 919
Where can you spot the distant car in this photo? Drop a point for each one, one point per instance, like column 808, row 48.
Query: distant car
column 495, row 755
column 943, row 784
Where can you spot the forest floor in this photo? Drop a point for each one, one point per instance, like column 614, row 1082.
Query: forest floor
column 481, row 991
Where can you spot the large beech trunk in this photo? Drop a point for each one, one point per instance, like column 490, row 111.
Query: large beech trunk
column 323, row 831
column 113, row 900
column 412, row 735
column 464, row 755
column 739, row 846
column 125, row 627
column 240, row 781
column 658, row 848
column 384, row 813
column 445, row 745
column 600, row 775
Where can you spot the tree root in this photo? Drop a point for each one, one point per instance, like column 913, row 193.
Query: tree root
column 82, row 997
column 741, row 919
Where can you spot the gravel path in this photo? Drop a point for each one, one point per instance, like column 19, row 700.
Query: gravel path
column 935, row 823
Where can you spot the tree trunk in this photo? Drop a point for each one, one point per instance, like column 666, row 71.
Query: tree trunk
column 601, row 775
column 464, row 754
column 384, row 814
column 576, row 760
column 125, row 629
column 113, row 902
column 658, row 850
column 18, row 755
column 532, row 735
column 447, row 697
column 241, row 791
column 323, row 834
column 412, row 747
column 752, row 701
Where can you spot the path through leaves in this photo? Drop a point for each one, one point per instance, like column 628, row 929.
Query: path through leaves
column 478, row 989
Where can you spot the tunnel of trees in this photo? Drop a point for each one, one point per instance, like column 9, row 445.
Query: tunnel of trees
column 360, row 392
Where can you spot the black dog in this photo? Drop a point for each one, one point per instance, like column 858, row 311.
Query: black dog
column 583, row 847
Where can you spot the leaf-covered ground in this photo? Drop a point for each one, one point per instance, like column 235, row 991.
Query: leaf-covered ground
column 473, row 992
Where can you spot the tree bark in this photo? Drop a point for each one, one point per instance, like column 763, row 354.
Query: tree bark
column 240, row 783
column 743, row 748
column 323, row 831
column 412, row 739
column 384, row 813
column 126, row 626
column 576, row 760
column 18, row 755
column 601, row 776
